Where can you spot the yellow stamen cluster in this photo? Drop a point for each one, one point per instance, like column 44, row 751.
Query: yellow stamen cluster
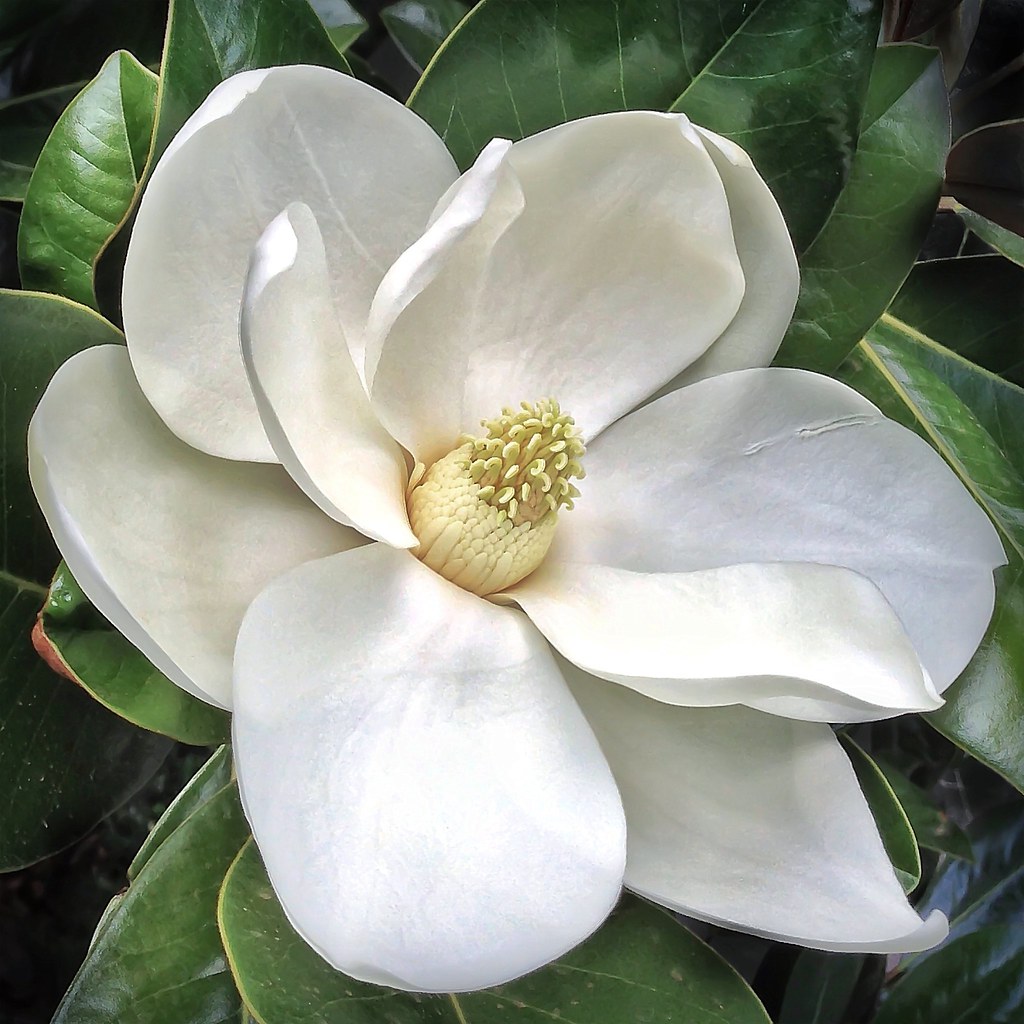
column 485, row 514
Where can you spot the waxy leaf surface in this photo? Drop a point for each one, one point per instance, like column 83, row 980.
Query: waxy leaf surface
column 158, row 958
column 783, row 78
column 867, row 247
column 86, row 180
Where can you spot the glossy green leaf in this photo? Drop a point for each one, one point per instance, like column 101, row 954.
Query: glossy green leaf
column 117, row 674
column 86, row 180
column 65, row 761
column 990, row 890
column 984, row 710
column 893, row 826
column 819, row 987
column 159, row 957
column 25, row 125
column 206, row 783
column 512, row 69
column 211, row 40
column 857, row 263
column 641, row 966
column 933, row 829
column 343, row 22
column 977, row 979
column 1006, row 243
column 419, row 27
column 971, row 305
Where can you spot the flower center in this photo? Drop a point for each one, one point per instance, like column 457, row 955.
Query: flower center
column 485, row 514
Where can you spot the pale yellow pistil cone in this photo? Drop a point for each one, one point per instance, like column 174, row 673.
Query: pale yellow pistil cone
column 486, row 513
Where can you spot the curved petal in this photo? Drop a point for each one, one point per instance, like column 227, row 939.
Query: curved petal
column 311, row 400
column 171, row 545
column 369, row 169
column 771, row 465
column 769, row 267
column 751, row 821
column 601, row 245
column 796, row 639
column 432, row 808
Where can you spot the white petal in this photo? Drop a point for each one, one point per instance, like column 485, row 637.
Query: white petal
column 369, row 169
column 171, row 545
column 589, row 263
column 793, row 638
column 433, row 810
column 751, row 821
column 307, row 389
column 769, row 465
column 769, row 267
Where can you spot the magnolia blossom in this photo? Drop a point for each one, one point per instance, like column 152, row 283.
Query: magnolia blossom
column 330, row 487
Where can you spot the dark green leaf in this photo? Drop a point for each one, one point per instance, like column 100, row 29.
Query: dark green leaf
column 789, row 87
column 419, row 27
column 25, row 125
column 985, row 172
column 971, row 305
column 1007, row 243
column 990, row 890
column 978, row 979
column 343, row 22
column 893, row 826
column 158, row 957
column 933, row 828
column 207, row 782
column 72, row 45
column 65, row 762
column 512, row 69
column 210, row 40
column 984, row 711
column 117, row 674
column 857, row 263
column 820, row 987
column 86, row 180
column 641, row 966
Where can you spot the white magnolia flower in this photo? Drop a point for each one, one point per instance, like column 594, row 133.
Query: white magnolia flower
column 442, row 801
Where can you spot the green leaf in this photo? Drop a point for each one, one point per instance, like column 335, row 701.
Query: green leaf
column 990, row 890
column 641, row 966
column 211, row 40
column 159, row 957
column 984, row 710
column 933, row 828
column 855, row 266
column 971, row 305
column 206, row 783
column 117, row 674
column 343, row 22
column 820, row 987
column 419, row 27
column 1006, row 243
column 985, row 171
column 978, row 979
column 893, row 826
column 25, row 125
column 86, row 180
column 511, row 69
column 65, row 761
column 797, row 115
